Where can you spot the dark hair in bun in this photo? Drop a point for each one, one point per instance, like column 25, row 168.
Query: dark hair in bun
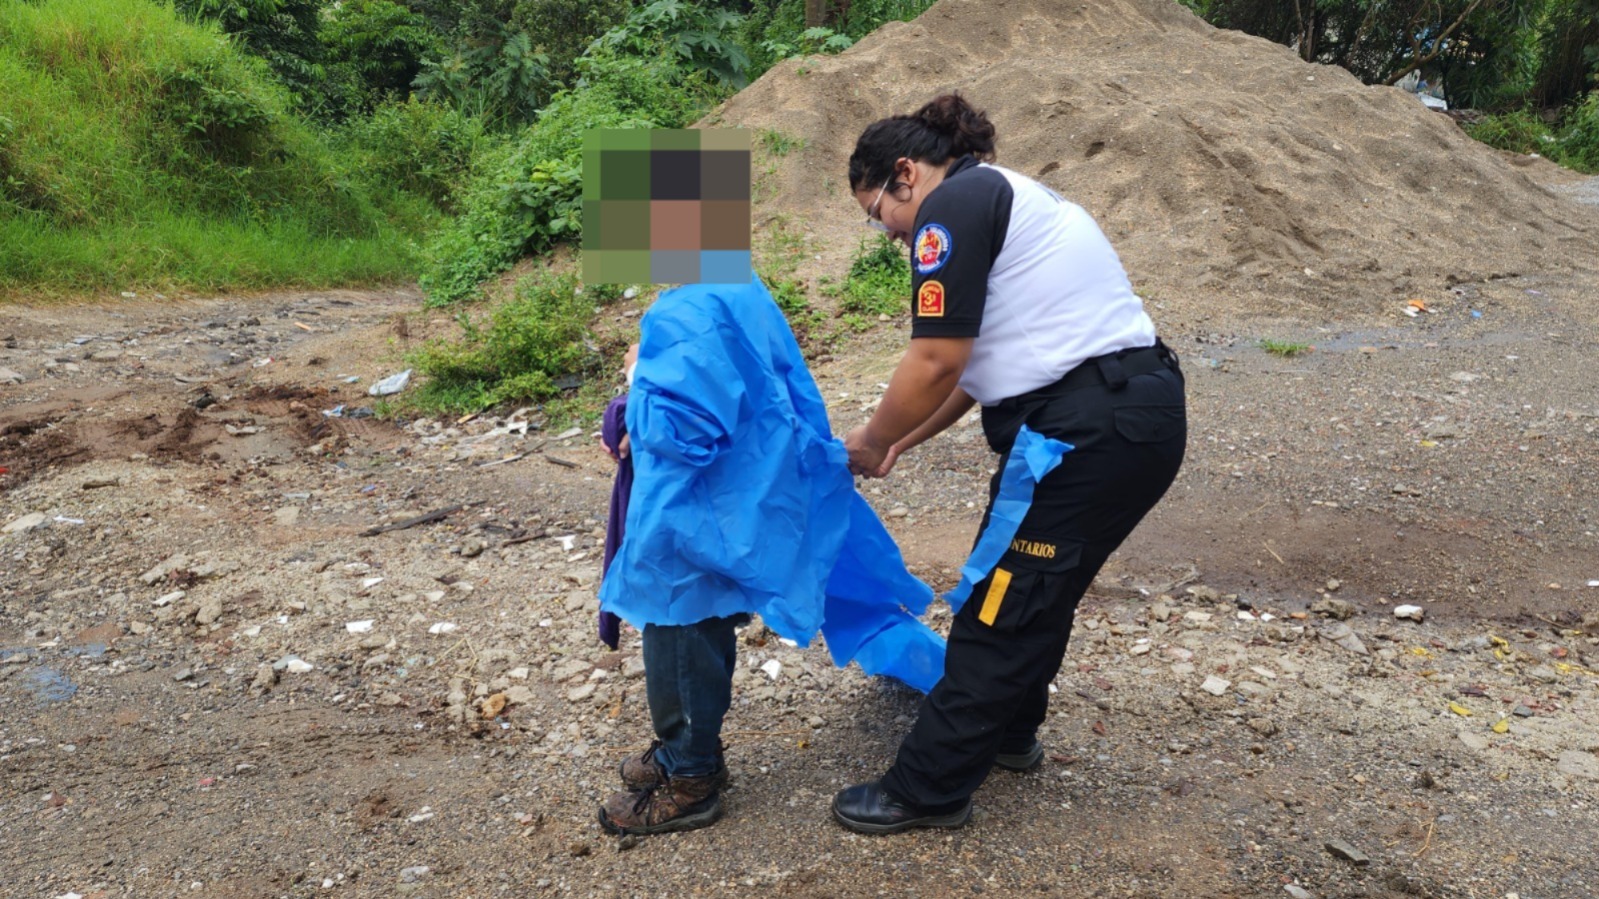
column 945, row 128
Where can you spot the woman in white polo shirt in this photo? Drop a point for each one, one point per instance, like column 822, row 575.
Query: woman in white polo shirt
column 1020, row 305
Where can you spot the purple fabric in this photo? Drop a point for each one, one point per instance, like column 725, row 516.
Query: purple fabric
column 612, row 430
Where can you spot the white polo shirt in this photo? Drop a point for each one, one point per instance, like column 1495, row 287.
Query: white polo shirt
column 1002, row 259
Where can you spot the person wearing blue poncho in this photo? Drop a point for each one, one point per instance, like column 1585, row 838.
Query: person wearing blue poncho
column 1020, row 305
column 742, row 502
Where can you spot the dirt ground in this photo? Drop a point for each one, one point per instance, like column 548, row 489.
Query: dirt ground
column 226, row 670
column 200, row 519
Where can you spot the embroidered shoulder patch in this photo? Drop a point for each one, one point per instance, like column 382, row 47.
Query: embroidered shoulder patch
column 931, row 248
column 930, row 300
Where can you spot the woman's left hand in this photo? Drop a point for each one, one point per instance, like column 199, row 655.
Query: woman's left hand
column 865, row 458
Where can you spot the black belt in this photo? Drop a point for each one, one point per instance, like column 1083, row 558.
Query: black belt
column 1111, row 369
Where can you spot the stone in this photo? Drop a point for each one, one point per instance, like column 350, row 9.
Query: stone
column 413, row 873
column 472, row 548
column 581, row 692
column 210, row 610
column 288, row 516
column 1296, row 891
column 1333, row 584
column 1263, row 726
column 898, row 512
column 633, row 667
column 1344, row 636
column 1544, row 673
column 1347, row 852
column 7, row 376
column 1338, row 609
column 26, row 523
column 520, row 695
column 177, row 562
column 265, row 678
column 1576, row 763
column 1473, row 740
column 1215, row 686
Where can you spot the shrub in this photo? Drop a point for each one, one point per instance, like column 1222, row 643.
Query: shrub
column 524, row 351
column 1519, row 131
column 422, row 148
column 879, row 281
column 1578, row 143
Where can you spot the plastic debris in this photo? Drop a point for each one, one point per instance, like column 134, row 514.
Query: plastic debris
column 773, row 668
column 1460, row 710
column 359, row 627
column 443, row 627
column 391, row 385
column 1215, row 686
column 1413, row 613
column 1501, row 726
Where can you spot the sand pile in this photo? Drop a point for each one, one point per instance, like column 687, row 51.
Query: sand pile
column 1230, row 174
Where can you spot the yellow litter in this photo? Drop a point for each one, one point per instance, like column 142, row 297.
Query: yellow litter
column 1420, row 651
column 1502, row 726
column 1567, row 668
column 1460, row 710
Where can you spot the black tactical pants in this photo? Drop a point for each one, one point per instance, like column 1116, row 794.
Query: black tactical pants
column 1125, row 417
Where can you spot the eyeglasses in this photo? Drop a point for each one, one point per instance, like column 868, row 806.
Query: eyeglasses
column 872, row 221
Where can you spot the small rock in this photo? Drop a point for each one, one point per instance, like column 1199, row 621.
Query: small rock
column 627, row 842
column 578, row 849
column 1333, row 584
column 1575, row 763
column 26, row 523
column 1296, row 891
column 1338, row 609
column 582, row 692
column 265, row 677
column 413, row 873
column 1344, row 636
column 633, row 667
column 209, row 611
column 519, row 695
column 1473, row 740
column 472, row 548
column 1215, row 686
column 288, row 516
column 1413, row 613
column 183, row 674
column 7, row 376
column 1263, row 726
column 898, row 512
column 1348, row 853
column 1544, row 673
column 292, row 664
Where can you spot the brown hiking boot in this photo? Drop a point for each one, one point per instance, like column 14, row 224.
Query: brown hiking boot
column 681, row 803
column 643, row 771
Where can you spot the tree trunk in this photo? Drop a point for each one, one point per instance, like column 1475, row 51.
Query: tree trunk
column 815, row 13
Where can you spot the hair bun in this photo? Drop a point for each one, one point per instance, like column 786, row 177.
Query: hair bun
column 969, row 130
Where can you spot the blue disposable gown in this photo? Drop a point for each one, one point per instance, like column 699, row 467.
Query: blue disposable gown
column 742, row 499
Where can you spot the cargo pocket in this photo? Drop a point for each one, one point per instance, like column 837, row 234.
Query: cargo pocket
column 1150, row 424
column 1026, row 582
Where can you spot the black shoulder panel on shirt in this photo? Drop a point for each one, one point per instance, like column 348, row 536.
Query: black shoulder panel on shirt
column 960, row 230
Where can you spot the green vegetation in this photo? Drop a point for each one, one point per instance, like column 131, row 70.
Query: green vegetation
column 879, row 281
column 1284, row 348
column 139, row 151
column 1512, row 58
column 519, row 353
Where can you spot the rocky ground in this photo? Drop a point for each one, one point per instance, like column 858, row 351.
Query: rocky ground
column 213, row 681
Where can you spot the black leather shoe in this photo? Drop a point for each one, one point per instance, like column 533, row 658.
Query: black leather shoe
column 1025, row 760
column 868, row 808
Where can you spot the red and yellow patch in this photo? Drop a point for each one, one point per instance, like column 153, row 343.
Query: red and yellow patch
column 930, row 300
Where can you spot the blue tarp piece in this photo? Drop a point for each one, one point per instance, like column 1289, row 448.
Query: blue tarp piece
column 1031, row 458
column 742, row 499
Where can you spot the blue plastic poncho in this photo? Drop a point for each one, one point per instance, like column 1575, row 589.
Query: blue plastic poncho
column 742, row 499
column 1031, row 457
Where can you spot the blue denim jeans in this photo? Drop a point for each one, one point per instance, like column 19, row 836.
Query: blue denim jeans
column 688, row 677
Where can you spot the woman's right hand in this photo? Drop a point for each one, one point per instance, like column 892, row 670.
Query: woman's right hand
column 888, row 463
